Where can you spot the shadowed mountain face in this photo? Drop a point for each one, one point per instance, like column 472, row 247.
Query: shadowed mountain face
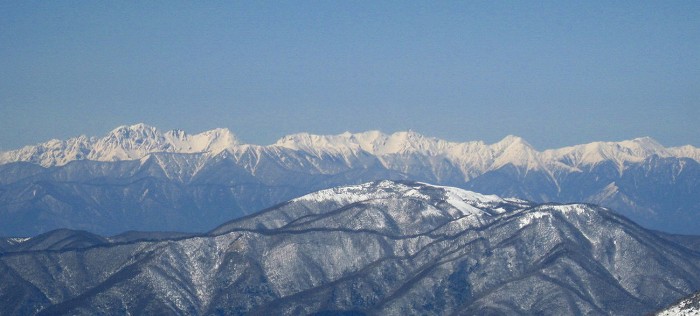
column 137, row 178
column 377, row 248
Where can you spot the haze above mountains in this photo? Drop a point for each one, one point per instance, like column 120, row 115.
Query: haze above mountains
column 139, row 178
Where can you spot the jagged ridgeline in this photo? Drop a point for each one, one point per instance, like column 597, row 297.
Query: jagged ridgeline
column 384, row 248
column 138, row 178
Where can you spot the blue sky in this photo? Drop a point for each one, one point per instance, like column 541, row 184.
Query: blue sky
column 556, row 73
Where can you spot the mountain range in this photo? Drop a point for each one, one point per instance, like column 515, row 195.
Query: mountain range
column 384, row 247
column 139, row 178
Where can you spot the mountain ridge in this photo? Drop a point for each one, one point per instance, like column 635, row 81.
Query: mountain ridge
column 137, row 141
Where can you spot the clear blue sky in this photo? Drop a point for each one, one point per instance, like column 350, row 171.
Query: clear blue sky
column 556, row 73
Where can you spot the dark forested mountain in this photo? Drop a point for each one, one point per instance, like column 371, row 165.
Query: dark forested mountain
column 137, row 178
column 384, row 248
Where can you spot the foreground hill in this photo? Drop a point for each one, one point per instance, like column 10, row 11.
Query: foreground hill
column 137, row 178
column 689, row 306
column 378, row 248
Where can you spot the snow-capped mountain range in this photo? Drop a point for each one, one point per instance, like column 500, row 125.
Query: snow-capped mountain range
column 138, row 141
column 139, row 178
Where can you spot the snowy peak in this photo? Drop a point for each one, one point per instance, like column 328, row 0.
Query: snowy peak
column 412, row 142
column 320, row 144
column 128, row 143
column 363, row 192
column 629, row 151
column 512, row 140
column 53, row 152
column 136, row 131
column 686, row 151
column 123, row 143
column 397, row 208
column 213, row 141
column 387, row 188
column 516, row 151
column 368, row 141
column 373, row 142
column 454, row 202
column 137, row 141
column 642, row 147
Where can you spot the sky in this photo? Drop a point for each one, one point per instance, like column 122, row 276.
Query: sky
column 555, row 73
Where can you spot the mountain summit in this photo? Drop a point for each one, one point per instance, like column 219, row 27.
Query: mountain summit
column 123, row 143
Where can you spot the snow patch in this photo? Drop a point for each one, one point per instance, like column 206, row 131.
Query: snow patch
column 528, row 218
column 17, row 240
column 363, row 192
column 546, row 211
column 577, row 209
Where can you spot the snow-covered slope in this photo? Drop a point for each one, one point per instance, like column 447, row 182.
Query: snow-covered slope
column 379, row 248
column 689, row 306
